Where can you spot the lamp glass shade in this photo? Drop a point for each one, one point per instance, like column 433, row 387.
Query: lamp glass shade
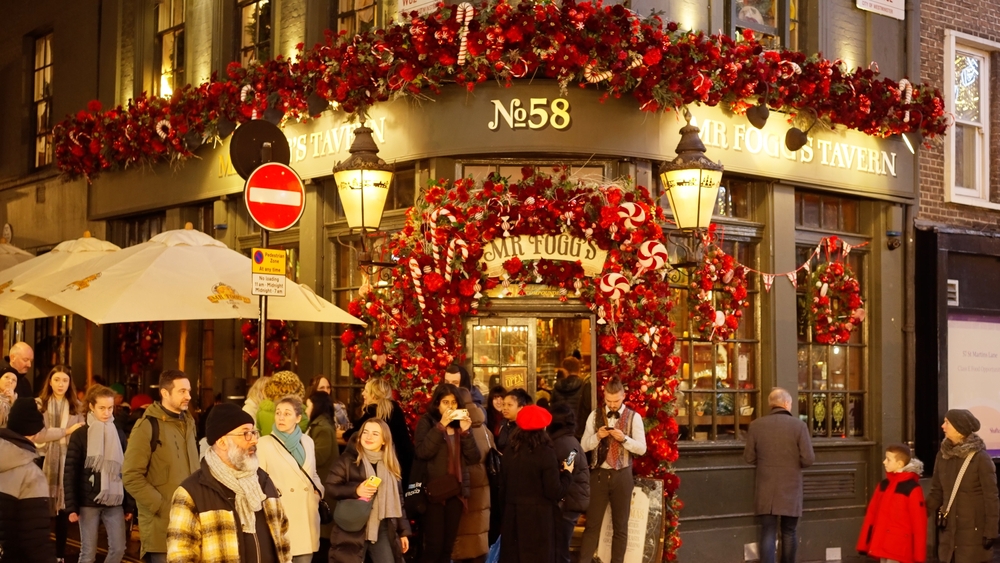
column 362, row 195
column 692, row 193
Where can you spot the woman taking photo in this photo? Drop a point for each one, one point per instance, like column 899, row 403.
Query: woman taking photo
column 445, row 445
column 386, row 536
column 319, row 410
column 378, row 403
column 289, row 457
column 971, row 522
column 531, row 485
column 63, row 416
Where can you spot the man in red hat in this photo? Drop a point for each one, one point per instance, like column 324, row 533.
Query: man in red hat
column 615, row 434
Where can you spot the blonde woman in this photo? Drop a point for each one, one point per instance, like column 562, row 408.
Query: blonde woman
column 386, row 537
column 378, row 403
column 256, row 396
column 63, row 415
column 281, row 384
column 289, row 457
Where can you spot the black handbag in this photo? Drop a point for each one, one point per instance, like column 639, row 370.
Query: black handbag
column 415, row 497
column 440, row 489
column 325, row 514
column 493, row 457
column 351, row 514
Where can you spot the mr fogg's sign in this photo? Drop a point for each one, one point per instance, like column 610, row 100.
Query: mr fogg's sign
column 552, row 247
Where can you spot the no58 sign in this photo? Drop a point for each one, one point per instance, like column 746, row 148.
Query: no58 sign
column 537, row 114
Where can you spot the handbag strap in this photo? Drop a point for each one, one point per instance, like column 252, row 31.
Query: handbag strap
column 961, row 473
column 302, row 469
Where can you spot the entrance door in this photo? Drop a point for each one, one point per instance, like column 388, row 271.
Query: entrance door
column 521, row 351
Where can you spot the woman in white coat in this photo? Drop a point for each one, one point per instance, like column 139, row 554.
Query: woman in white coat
column 288, row 456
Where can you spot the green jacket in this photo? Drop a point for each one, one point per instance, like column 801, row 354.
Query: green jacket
column 152, row 479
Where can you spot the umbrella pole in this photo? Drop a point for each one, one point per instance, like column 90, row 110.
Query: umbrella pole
column 183, row 345
column 88, row 336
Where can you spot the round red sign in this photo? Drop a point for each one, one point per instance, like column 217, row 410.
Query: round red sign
column 275, row 196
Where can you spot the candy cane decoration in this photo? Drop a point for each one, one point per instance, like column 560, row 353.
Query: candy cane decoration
column 416, row 274
column 789, row 69
column 907, row 89
column 73, row 135
column 464, row 15
column 464, row 250
column 588, row 73
column 163, row 128
column 874, row 67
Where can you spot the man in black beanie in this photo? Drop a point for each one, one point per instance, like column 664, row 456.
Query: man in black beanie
column 230, row 502
column 24, row 490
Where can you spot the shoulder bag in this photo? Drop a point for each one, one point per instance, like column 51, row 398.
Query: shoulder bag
column 942, row 516
column 493, row 456
column 325, row 514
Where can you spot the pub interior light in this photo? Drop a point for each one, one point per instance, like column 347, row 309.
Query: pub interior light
column 363, row 182
column 691, row 181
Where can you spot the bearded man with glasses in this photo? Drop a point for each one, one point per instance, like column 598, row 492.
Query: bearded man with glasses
column 229, row 510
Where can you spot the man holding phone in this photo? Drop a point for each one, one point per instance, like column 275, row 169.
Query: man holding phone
column 614, row 433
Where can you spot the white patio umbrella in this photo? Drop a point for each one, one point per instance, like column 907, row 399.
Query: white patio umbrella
column 176, row 276
column 11, row 255
column 19, row 305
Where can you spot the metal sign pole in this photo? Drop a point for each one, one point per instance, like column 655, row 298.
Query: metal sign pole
column 262, row 320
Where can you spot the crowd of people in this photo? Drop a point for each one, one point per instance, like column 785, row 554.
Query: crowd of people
column 288, row 477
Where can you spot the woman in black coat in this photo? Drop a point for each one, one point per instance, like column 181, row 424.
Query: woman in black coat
column 531, row 485
column 378, row 403
column 444, row 444
column 348, row 481
column 562, row 431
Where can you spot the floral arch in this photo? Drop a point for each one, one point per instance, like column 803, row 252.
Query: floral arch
column 442, row 278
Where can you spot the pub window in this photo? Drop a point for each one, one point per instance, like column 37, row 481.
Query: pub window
column 512, row 170
column 778, row 23
column 134, row 230
column 355, row 16
column 255, row 21
column 169, row 48
column 42, row 100
column 720, row 382
column 832, row 380
column 967, row 61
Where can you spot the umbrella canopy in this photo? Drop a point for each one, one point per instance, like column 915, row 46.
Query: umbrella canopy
column 17, row 304
column 177, row 275
column 11, row 255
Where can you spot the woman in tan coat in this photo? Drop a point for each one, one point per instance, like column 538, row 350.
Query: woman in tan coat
column 472, row 543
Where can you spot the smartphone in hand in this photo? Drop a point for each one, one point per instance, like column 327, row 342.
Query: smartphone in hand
column 571, row 458
column 373, row 481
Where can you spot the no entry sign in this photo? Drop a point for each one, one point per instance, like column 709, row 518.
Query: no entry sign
column 275, row 196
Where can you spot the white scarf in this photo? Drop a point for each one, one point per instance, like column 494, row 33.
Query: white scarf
column 249, row 496
column 104, row 456
column 387, row 501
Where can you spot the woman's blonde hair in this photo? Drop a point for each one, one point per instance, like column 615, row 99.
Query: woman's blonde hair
column 388, row 449
column 379, row 394
column 256, row 392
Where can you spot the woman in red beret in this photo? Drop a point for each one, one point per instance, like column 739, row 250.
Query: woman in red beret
column 531, row 486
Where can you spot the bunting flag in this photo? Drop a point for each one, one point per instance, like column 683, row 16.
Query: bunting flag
column 768, row 281
column 792, row 278
column 847, row 248
column 808, row 265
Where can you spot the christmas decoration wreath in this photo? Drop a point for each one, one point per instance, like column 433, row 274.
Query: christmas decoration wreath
column 275, row 351
column 836, row 307
column 139, row 345
column 717, row 293
column 415, row 325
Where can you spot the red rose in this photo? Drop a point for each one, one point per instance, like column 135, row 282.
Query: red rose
column 652, row 57
column 607, row 343
column 347, row 338
column 467, row 288
column 433, row 282
column 513, row 266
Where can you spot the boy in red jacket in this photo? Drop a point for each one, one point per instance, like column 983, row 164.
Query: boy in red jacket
column 895, row 526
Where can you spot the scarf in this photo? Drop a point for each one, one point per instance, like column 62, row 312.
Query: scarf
column 971, row 444
column 56, row 416
column 387, row 504
column 454, row 443
column 104, row 456
column 249, row 496
column 292, row 442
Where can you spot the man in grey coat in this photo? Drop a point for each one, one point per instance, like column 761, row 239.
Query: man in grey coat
column 779, row 445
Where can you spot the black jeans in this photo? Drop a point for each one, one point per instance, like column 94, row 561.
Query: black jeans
column 614, row 487
column 440, row 527
column 564, row 534
column 768, row 535
column 62, row 530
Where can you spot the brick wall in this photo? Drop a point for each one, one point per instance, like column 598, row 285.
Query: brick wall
column 292, row 22
column 126, row 57
column 982, row 19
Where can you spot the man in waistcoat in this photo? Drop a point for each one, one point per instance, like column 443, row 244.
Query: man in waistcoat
column 614, row 434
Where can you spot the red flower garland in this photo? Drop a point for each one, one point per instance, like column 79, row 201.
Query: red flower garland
column 139, row 345
column 722, row 279
column 588, row 44
column 837, row 308
column 275, row 351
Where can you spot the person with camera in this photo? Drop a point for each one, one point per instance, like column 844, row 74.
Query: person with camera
column 963, row 494
column 445, row 446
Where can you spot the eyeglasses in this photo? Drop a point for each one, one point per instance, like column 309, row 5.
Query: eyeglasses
column 248, row 435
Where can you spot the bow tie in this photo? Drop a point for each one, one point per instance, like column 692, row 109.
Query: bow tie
column 614, row 414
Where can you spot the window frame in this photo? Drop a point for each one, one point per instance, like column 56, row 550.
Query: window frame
column 44, row 98
column 254, row 48
column 783, row 31
column 337, row 18
column 179, row 64
column 955, row 42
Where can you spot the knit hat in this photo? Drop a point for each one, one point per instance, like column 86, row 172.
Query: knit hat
column 533, row 417
column 224, row 418
column 24, row 418
column 118, row 388
column 284, row 383
column 963, row 421
column 140, row 401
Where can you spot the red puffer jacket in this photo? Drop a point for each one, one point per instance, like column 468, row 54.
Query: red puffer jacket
column 895, row 525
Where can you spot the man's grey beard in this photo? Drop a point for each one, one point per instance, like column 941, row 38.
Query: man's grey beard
column 240, row 459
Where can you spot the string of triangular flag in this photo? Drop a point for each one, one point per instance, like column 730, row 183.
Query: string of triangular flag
column 829, row 244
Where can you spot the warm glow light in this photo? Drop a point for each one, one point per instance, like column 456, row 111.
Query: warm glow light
column 166, row 90
column 909, row 145
column 692, row 194
column 362, row 195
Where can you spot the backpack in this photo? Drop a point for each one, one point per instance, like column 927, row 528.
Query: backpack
column 154, row 434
